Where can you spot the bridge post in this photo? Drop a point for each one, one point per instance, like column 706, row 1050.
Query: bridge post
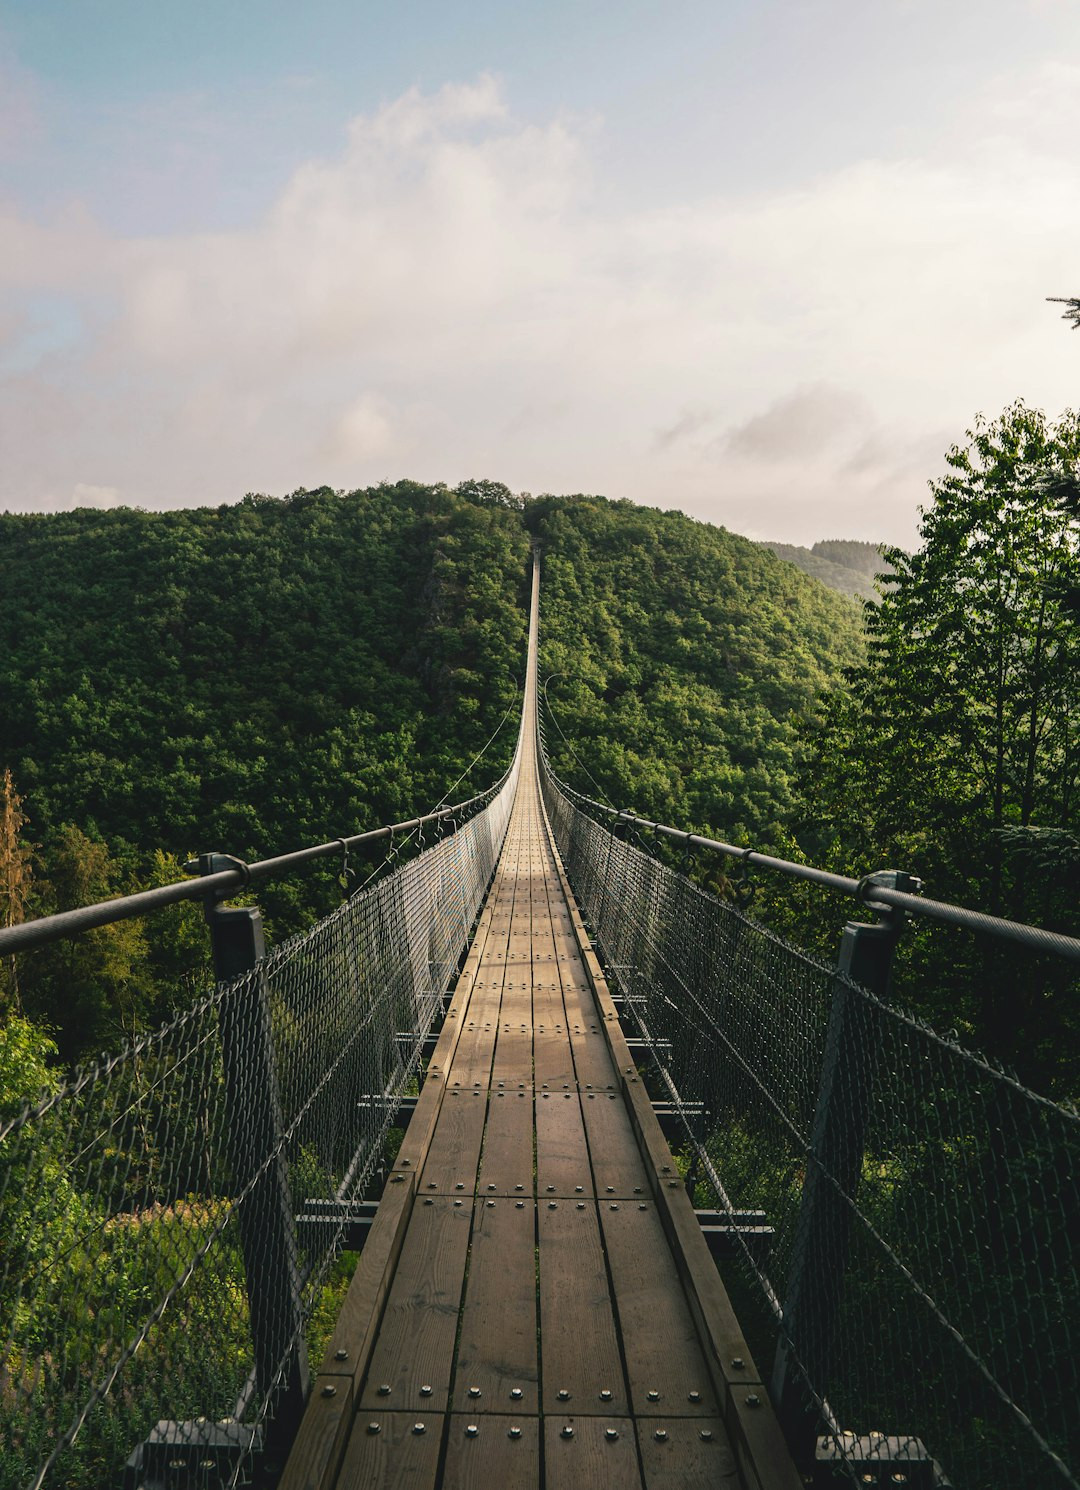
column 815, row 1282
column 259, row 1173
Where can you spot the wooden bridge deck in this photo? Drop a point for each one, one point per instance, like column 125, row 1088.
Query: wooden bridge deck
column 535, row 1305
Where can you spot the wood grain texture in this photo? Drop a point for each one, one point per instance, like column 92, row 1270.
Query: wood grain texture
column 617, row 1165
column 590, row 1459
column 493, row 1459
column 454, row 1153
column 578, row 1342
column 396, row 1457
column 562, row 1155
column 506, row 1165
column 691, row 1454
column 416, row 1341
column 661, row 1346
column 497, row 1351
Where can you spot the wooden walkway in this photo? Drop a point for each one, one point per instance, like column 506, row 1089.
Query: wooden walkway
column 535, row 1305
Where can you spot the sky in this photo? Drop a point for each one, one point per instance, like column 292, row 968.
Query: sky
column 762, row 262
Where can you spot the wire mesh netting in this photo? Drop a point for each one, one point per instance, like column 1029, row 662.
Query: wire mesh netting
column 904, row 1217
column 170, row 1220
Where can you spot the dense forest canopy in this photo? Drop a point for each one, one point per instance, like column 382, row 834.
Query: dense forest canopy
column 841, row 563
column 259, row 676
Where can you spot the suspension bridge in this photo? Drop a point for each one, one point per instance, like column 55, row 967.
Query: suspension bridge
column 676, row 1203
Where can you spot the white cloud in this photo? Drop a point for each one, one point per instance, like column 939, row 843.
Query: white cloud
column 449, row 295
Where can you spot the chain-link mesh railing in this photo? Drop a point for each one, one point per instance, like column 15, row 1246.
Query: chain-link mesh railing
column 904, row 1219
column 170, row 1220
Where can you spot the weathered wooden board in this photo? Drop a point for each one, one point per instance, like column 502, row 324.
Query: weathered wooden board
column 686, row 1454
column 497, row 1354
column 454, row 1155
column 664, row 1360
column 598, row 1453
column 387, row 1450
column 506, row 1164
column 416, row 1342
column 617, row 1165
column 492, row 1453
column 562, row 1155
column 579, row 1346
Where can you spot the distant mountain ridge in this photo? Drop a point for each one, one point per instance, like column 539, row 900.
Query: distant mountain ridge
column 844, row 564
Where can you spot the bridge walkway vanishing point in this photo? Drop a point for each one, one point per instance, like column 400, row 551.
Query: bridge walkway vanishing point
column 535, row 1304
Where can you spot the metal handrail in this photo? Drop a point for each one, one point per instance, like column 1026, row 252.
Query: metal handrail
column 869, row 889
column 215, row 886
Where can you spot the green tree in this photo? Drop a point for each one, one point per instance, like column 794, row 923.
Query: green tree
column 954, row 750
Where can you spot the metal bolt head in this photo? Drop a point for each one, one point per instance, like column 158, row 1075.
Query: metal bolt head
column 471, row 1430
column 563, row 1395
column 418, row 1427
column 581, row 1205
column 474, row 1391
column 611, row 1434
column 753, row 1400
column 425, row 1390
column 551, row 1189
column 384, row 1390
column 428, row 1200
column 516, row 1394
column 329, row 1391
column 738, row 1362
column 567, row 1431
column 693, row 1396
column 661, row 1435
column 605, row 1394
column 341, row 1355
column 579, row 1189
column 553, row 1205
column 373, row 1428
column 653, row 1396
column 514, row 1433
column 706, row 1435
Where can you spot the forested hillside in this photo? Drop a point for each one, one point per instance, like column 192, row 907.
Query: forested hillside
column 843, row 564
column 685, row 661
column 254, row 677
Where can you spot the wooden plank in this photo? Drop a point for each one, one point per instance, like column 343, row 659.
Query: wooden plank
column 506, row 1164
column 503, row 1452
column 354, row 1334
column 497, row 1342
column 562, row 1155
column 416, row 1342
column 553, row 1064
column 513, row 1062
column 664, row 1360
column 686, row 1454
column 323, row 1433
column 476, row 1048
column 617, row 1166
column 592, row 1059
column 454, row 1154
column 578, row 1344
column 590, row 1457
column 392, row 1455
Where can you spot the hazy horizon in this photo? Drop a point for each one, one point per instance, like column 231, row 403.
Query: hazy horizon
column 763, row 263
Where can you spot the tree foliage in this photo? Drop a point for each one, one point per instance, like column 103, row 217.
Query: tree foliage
column 683, row 658
column 954, row 750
